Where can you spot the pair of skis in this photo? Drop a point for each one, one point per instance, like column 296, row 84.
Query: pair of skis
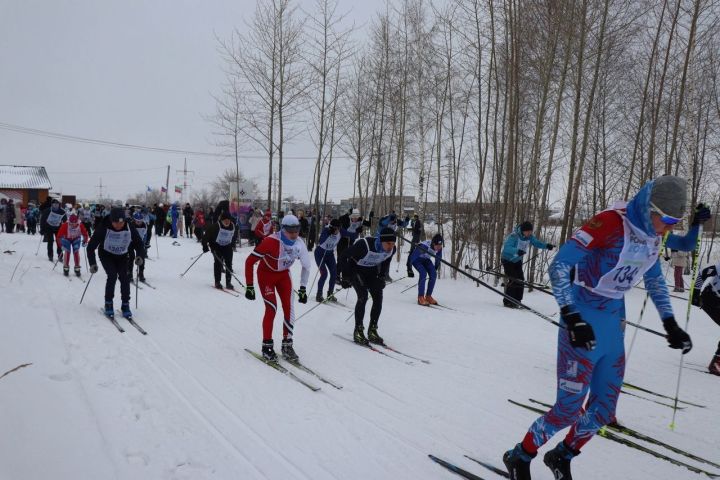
column 280, row 367
column 119, row 327
column 380, row 349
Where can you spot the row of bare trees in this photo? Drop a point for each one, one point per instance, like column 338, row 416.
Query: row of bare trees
column 489, row 112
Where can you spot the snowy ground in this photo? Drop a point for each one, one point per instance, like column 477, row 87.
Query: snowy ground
column 187, row 402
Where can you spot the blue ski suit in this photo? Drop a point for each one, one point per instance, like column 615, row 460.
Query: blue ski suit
column 426, row 261
column 604, row 271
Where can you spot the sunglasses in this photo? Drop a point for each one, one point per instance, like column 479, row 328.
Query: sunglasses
column 664, row 217
column 292, row 229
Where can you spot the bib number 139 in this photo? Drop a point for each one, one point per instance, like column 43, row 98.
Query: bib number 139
column 625, row 274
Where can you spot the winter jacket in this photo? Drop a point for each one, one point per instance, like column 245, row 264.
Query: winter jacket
column 516, row 242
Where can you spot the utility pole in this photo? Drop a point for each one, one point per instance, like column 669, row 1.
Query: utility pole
column 184, row 172
column 100, row 188
column 167, row 185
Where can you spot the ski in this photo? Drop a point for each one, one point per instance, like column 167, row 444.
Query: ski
column 624, row 441
column 113, row 321
column 132, row 322
column 405, row 354
column 135, row 284
column 370, row 347
column 660, row 395
column 284, row 370
column 651, row 400
column 308, row 370
column 641, row 436
column 229, row 292
column 146, row 283
column 490, row 467
column 444, row 306
column 455, row 468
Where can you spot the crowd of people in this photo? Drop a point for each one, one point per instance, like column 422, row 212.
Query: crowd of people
column 590, row 276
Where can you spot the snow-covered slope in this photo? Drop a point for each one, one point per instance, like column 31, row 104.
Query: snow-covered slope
column 187, row 402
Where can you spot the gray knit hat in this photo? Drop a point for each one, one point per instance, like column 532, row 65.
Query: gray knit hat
column 669, row 194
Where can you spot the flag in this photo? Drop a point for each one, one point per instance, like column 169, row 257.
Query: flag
column 163, row 189
column 148, row 188
column 178, row 189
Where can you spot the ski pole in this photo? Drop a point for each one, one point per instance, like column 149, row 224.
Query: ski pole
column 16, row 267
column 696, row 266
column 322, row 261
column 86, row 287
column 411, row 286
column 38, row 247
column 137, row 284
column 537, row 286
column 193, row 263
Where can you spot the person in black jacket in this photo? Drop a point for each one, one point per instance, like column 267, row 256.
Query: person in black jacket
column 115, row 238
column 417, row 231
column 351, row 224
column 159, row 213
column 188, row 217
column 51, row 217
column 219, row 238
column 364, row 266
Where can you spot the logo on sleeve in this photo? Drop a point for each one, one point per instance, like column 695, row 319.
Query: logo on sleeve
column 583, row 237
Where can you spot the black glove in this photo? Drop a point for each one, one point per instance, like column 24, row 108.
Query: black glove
column 250, row 292
column 696, row 297
column 93, row 269
column 521, row 252
column 302, row 295
column 139, row 261
column 581, row 333
column 549, row 246
column 206, row 249
column 667, row 259
column 702, row 214
column 676, row 336
column 437, row 268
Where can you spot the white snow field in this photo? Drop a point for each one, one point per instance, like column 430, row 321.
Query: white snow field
column 187, row 402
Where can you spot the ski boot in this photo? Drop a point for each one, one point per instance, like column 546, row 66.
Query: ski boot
column 77, row 270
column 331, row 297
column 359, row 335
column 288, row 353
column 411, row 274
column 430, row 300
column 109, row 311
column 218, row 285
column 558, row 460
column 66, row 271
column 373, row 336
column 125, row 309
column 319, row 298
column 141, row 276
column 229, row 285
column 714, row 367
column 517, row 461
column 268, row 352
column 422, row 301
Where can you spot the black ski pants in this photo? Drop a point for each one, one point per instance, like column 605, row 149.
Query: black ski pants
column 116, row 267
column 366, row 283
column 514, row 285
column 226, row 255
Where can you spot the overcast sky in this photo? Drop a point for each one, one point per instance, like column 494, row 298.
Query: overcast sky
column 130, row 71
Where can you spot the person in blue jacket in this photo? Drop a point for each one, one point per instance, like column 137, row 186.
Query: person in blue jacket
column 609, row 254
column 174, row 214
column 516, row 245
column 427, row 258
column 391, row 221
column 325, row 258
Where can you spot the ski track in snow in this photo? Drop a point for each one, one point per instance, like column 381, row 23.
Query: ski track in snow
column 185, row 401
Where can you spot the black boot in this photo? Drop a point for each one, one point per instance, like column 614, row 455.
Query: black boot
column 359, row 335
column 558, row 460
column 287, row 350
column 141, row 276
column 77, row 270
column 218, row 285
column 268, row 352
column 411, row 274
column 229, row 285
column 373, row 336
column 318, row 297
column 331, row 297
column 66, row 271
column 517, row 461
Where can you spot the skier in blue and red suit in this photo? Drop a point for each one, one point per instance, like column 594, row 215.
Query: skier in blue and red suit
column 330, row 236
column 609, row 255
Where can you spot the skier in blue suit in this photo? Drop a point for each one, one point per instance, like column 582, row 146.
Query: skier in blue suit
column 515, row 246
column 427, row 258
column 610, row 254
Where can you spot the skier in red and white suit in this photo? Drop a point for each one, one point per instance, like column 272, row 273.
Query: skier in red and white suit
column 276, row 254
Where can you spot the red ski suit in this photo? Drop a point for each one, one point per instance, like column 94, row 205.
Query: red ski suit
column 68, row 238
column 275, row 258
column 263, row 228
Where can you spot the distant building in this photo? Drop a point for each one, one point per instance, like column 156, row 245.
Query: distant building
column 24, row 184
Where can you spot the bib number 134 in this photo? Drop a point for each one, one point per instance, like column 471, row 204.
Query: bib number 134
column 625, row 274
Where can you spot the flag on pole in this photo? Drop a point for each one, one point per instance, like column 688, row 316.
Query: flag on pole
column 163, row 189
column 178, row 189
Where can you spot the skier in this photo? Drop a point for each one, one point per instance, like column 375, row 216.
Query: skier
column 51, row 217
column 278, row 252
column 188, row 217
column 364, row 267
column 515, row 246
column 31, row 218
column 199, row 225
column 219, row 238
column 141, row 227
column 70, row 236
column 352, row 224
column 417, row 231
column 426, row 258
column 325, row 259
column 708, row 299
column 391, row 221
column 609, row 254
column 86, row 217
column 264, row 227
column 98, row 216
column 115, row 238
